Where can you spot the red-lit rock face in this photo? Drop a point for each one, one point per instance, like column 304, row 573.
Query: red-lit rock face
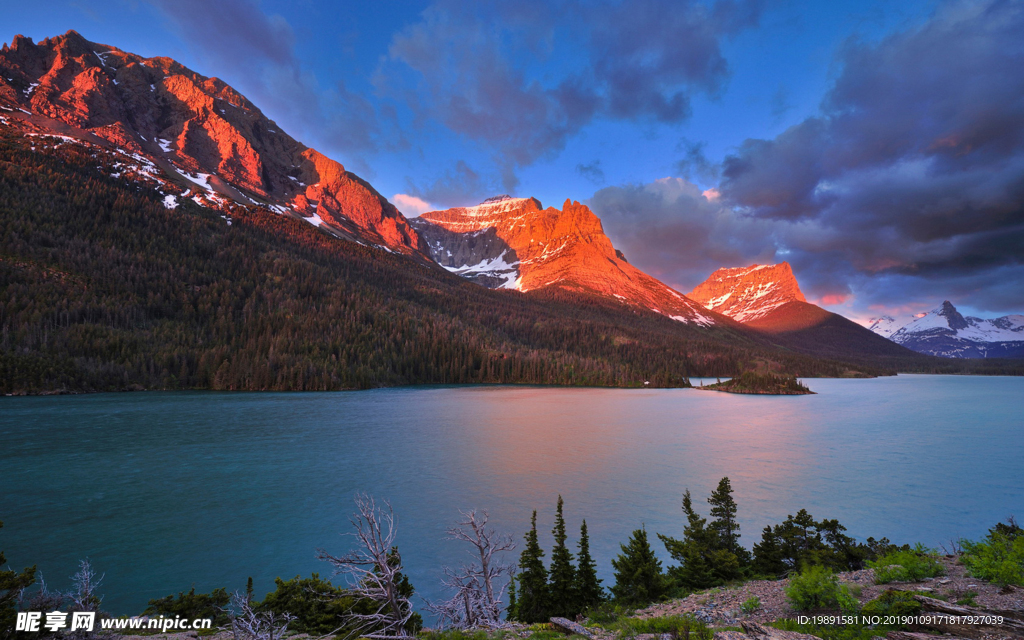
column 514, row 243
column 158, row 108
column 749, row 293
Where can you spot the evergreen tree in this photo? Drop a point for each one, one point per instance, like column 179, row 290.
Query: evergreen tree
column 768, row 560
column 638, row 577
column 533, row 596
column 723, row 514
column 589, row 592
column 563, row 576
column 512, row 610
column 703, row 560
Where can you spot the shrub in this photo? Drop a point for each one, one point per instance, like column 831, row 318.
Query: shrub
column 907, row 565
column 677, row 627
column 999, row 558
column 319, row 607
column 967, row 599
column 607, row 613
column 892, row 603
column 818, row 587
column 751, row 604
column 192, row 605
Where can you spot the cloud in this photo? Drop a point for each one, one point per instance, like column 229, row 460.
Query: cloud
column 672, row 230
column 459, row 186
column 522, row 78
column 694, row 163
column 256, row 51
column 913, row 171
column 592, row 171
column 236, row 31
column 411, row 206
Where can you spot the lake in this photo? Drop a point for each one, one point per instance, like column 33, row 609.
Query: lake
column 165, row 490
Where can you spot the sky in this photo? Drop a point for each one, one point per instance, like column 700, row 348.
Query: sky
column 878, row 147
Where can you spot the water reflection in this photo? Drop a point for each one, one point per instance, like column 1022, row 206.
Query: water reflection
column 166, row 490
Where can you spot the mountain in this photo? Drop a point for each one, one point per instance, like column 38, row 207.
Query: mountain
column 746, row 294
column 516, row 243
column 768, row 300
column 211, row 142
column 944, row 332
column 104, row 287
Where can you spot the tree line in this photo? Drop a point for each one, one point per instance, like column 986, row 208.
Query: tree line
column 103, row 288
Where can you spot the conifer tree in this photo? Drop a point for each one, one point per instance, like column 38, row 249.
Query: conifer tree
column 512, row 610
column 533, row 596
column 768, row 555
column 723, row 514
column 589, row 592
column 638, row 577
column 563, row 575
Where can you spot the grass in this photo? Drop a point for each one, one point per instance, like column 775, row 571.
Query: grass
column 967, row 599
column 677, row 627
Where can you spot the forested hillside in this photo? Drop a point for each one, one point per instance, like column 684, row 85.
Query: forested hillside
column 104, row 288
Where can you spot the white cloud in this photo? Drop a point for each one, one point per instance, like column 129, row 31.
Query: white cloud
column 411, row 206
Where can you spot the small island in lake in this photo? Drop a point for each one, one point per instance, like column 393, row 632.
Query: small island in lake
column 761, row 383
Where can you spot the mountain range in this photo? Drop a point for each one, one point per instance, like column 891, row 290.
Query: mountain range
column 944, row 332
column 419, row 298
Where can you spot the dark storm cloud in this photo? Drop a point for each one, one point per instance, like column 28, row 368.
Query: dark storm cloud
column 672, row 230
column 915, row 166
column 474, row 67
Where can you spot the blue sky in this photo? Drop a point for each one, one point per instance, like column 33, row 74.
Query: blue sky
column 874, row 145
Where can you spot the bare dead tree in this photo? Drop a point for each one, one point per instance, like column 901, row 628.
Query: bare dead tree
column 373, row 571
column 248, row 624
column 83, row 595
column 478, row 594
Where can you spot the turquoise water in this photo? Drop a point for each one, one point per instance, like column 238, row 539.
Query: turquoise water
column 163, row 491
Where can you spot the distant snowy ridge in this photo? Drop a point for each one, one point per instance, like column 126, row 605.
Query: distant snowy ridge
column 944, row 332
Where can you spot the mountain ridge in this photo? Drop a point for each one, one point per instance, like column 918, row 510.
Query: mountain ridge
column 945, row 332
column 516, row 243
column 209, row 138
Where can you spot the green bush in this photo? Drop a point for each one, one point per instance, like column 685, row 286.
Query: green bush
column 319, row 607
column 999, row 558
column 193, row 605
column 677, row 627
column 967, row 599
column 607, row 613
column 818, row 587
column 751, row 604
column 907, row 565
column 892, row 603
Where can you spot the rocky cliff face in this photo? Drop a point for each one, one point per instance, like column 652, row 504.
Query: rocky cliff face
column 204, row 134
column 749, row 293
column 515, row 243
